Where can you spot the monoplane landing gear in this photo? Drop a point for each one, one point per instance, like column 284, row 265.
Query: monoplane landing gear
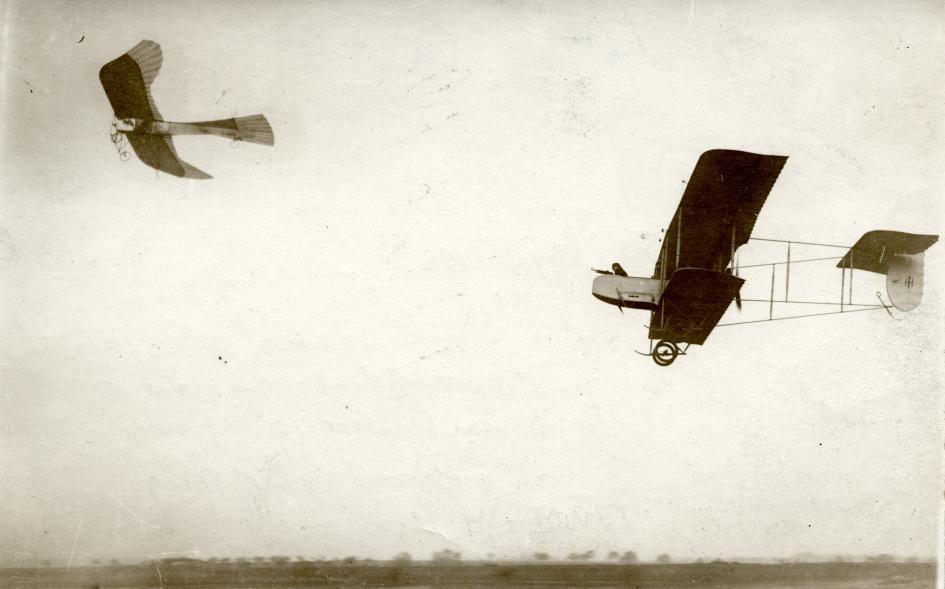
column 118, row 140
column 665, row 353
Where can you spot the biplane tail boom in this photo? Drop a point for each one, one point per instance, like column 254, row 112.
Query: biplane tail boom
column 899, row 256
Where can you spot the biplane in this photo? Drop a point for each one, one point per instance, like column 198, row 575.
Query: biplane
column 696, row 277
column 127, row 82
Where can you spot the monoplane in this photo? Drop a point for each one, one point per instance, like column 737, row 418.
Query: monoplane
column 127, row 82
column 696, row 277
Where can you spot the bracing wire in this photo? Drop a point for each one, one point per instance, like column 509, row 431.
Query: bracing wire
column 799, row 242
column 792, row 262
column 873, row 308
column 810, row 303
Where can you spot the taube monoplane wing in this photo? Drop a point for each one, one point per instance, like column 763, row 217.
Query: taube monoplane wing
column 127, row 81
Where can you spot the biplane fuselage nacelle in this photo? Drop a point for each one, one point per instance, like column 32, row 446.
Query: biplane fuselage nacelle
column 632, row 292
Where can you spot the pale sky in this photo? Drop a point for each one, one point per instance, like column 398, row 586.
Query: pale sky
column 400, row 287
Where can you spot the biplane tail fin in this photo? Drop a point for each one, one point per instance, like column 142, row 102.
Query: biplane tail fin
column 904, row 281
column 254, row 129
column 900, row 256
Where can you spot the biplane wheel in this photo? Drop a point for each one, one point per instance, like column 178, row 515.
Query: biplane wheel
column 123, row 156
column 665, row 353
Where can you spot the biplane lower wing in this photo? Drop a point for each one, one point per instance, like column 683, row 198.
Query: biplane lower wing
column 692, row 305
column 158, row 152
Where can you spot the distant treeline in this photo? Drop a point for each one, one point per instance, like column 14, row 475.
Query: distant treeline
column 452, row 557
column 447, row 556
column 284, row 572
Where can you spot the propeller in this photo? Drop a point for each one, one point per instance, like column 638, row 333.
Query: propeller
column 738, row 293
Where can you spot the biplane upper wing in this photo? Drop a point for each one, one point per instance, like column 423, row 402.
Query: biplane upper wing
column 692, row 305
column 718, row 210
column 158, row 152
column 127, row 81
column 875, row 249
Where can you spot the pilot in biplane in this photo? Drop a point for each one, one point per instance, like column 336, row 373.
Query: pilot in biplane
column 616, row 269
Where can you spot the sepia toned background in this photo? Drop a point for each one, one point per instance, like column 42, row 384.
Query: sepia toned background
column 378, row 335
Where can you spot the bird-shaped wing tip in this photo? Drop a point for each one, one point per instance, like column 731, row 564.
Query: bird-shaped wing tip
column 194, row 173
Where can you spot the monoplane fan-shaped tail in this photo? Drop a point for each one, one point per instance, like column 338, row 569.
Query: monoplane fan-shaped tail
column 254, row 129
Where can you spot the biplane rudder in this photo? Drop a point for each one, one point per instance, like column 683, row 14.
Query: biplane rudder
column 904, row 280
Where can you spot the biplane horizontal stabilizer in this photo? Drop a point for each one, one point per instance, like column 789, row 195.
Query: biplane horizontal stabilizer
column 874, row 251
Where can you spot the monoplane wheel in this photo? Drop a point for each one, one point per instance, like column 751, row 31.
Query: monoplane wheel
column 665, row 353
